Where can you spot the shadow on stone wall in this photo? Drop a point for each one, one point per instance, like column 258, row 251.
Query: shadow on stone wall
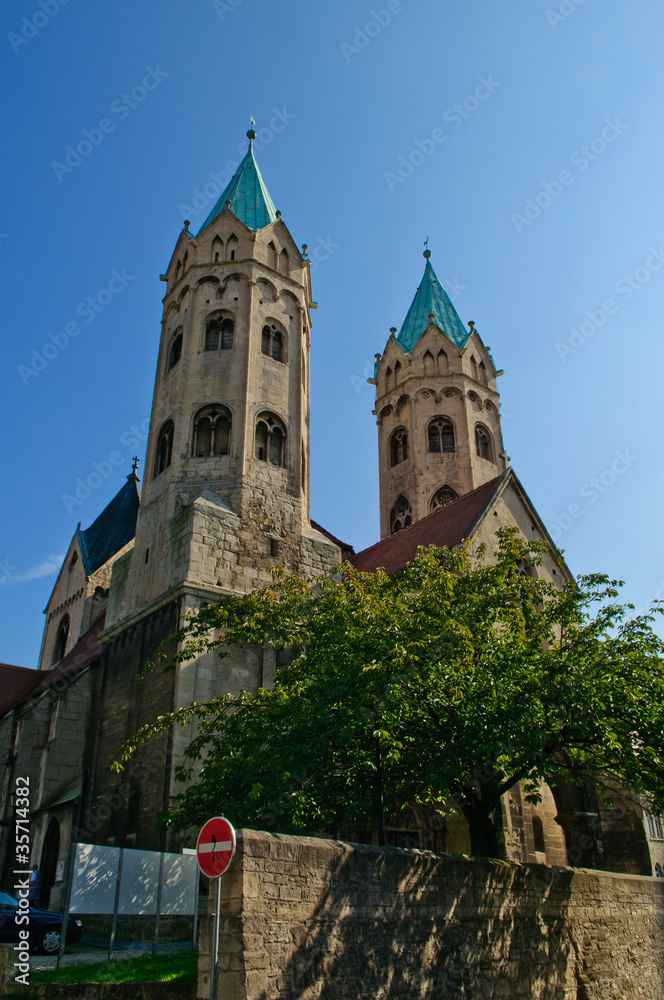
column 341, row 922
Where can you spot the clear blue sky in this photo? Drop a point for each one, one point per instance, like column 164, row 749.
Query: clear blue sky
column 355, row 107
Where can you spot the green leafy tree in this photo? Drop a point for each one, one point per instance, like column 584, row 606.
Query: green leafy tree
column 469, row 677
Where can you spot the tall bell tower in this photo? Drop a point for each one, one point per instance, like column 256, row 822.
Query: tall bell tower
column 226, row 483
column 437, row 408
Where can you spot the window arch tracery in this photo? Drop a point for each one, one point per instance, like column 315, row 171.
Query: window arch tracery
column 272, row 342
column 61, row 638
column 483, row 443
column 219, row 333
column 212, row 432
column 164, row 451
column 270, row 439
column 398, row 446
column 401, row 515
column 443, row 497
column 440, row 436
column 174, row 351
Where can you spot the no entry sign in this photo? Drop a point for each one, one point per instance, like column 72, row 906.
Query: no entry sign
column 215, row 847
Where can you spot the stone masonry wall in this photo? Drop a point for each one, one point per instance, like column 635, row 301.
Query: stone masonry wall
column 305, row 918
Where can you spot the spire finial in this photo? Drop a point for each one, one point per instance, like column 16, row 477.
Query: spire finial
column 251, row 134
column 427, row 252
column 134, row 469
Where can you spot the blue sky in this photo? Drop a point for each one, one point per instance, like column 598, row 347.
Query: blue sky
column 540, row 194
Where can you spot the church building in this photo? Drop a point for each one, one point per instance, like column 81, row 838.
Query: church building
column 225, row 498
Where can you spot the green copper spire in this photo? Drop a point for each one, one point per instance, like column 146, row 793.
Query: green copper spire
column 250, row 199
column 430, row 298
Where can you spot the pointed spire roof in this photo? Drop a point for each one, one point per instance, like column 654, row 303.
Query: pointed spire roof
column 249, row 197
column 431, row 298
column 115, row 526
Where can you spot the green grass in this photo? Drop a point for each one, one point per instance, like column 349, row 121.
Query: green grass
column 180, row 967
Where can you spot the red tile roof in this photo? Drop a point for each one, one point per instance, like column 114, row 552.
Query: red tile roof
column 446, row 527
column 15, row 684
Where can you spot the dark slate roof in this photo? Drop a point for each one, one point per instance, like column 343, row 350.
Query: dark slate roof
column 445, row 528
column 115, row 526
column 430, row 298
column 16, row 683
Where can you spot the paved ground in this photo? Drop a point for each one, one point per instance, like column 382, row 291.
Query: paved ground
column 91, row 950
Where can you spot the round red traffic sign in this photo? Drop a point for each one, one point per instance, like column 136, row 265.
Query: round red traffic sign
column 215, row 847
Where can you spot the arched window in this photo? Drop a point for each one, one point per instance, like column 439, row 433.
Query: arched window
column 231, row 247
column 397, row 372
column 475, row 401
column 473, row 366
column 61, row 639
column 399, row 446
column 219, row 333
column 272, row 342
column 441, row 435
column 538, row 835
column 212, row 432
column 272, row 255
column 217, row 248
column 482, row 373
column 442, row 365
column 174, row 351
column 284, row 262
column 270, row 439
column 388, row 378
column 177, row 270
column 164, row 452
column 401, row 515
column 429, row 364
column 483, row 442
column 442, row 497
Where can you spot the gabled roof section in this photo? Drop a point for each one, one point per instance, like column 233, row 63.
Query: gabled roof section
column 430, row 298
column 249, row 197
column 346, row 550
column 115, row 526
column 445, row 528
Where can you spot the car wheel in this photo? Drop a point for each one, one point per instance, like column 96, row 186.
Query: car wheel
column 49, row 941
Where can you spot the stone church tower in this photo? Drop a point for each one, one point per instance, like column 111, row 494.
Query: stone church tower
column 226, row 491
column 438, row 410
column 225, row 495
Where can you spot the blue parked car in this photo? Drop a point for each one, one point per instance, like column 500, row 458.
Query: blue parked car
column 44, row 926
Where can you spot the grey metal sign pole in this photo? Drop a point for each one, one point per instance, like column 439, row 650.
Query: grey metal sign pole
column 215, row 939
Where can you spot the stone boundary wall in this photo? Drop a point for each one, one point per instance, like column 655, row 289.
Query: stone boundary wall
column 304, row 918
